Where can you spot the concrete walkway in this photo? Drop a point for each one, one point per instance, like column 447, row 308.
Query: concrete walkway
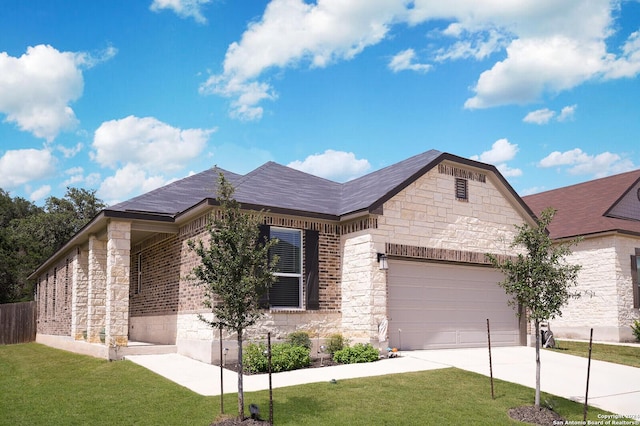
column 612, row 387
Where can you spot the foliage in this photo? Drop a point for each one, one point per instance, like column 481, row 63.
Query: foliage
column 235, row 270
column 357, row 353
column 335, row 343
column 540, row 279
column 45, row 386
column 30, row 234
column 635, row 329
column 284, row 357
column 300, row 338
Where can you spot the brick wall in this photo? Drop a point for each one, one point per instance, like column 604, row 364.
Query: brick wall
column 54, row 298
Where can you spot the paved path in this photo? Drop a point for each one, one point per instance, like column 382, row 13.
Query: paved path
column 612, row 387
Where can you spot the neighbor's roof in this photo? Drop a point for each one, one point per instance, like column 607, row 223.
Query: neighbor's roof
column 275, row 186
column 586, row 208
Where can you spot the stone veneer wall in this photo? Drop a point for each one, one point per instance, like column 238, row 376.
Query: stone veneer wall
column 425, row 215
column 606, row 273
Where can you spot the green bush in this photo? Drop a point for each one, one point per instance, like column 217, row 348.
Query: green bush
column 359, row 352
column 335, row 343
column 284, row 357
column 254, row 359
column 299, row 338
column 635, row 328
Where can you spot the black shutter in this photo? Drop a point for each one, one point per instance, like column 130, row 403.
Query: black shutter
column 263, row 238
column 311, row 259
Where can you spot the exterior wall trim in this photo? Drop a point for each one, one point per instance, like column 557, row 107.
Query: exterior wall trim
column 439, row 254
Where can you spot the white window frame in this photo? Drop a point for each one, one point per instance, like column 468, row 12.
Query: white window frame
column 291, row 275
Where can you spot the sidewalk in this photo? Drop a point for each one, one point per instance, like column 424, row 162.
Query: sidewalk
column 612, row 387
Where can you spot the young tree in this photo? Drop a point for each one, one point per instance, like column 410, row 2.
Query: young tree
column 540, row 280
column 235, row 270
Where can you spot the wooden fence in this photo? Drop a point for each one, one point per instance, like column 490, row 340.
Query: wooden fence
column 18, row 323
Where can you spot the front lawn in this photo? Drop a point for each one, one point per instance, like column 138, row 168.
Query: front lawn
column 626, row 355
column 45, row 386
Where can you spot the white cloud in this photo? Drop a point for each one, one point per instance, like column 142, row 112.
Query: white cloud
column 148, row 143
column 126, row 182
column 21, row 166
column 581, row 163
column 543, row 116
column 335, row 165
column 70, row 152
column 478, row 46
column 182, row 8
column 540, row 116
column 40, row 193
column 404, row 60
column 141, row 150
column 546, row 46
column 500, row 153
column 37, row 88
column 291, row 32
column 567, row 113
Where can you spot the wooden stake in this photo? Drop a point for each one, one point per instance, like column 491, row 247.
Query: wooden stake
column 490, row 363
column 270, row 388
column 221, row 377
column 586, row 395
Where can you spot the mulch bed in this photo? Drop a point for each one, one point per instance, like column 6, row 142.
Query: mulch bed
column 538, row 416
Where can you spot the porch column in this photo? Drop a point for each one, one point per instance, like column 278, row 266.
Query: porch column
column 79, row 293
column 118, row 272
column 96, row 289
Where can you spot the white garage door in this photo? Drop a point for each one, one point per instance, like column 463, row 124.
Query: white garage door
column 446, row 306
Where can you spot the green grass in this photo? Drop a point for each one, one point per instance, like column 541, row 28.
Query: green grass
column 626, row 355
column 45, row 386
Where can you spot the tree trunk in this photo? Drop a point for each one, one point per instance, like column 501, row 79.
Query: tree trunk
column 240, row 387
column 537, row 401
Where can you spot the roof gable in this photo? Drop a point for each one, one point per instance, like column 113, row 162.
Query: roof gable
column 279, row 188
column 597, row 206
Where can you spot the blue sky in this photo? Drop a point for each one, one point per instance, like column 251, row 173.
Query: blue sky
column 124, row 96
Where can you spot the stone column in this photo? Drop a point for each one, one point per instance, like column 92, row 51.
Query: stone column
column 79, row 293
column 96, row 289
column 118, row 272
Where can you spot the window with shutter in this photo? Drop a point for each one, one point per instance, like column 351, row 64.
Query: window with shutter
column 286, row 292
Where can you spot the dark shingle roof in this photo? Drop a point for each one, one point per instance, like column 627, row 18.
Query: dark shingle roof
column 273, row 186
column 582, row 208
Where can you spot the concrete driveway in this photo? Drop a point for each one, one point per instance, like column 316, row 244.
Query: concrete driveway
column 612, row 387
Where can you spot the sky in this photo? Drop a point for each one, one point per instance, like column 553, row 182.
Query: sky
column 122, row 96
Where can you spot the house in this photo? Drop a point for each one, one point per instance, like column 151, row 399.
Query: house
column 606, row 213
column 402, row 248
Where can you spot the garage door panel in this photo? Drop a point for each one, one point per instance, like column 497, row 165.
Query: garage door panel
column 438, row 306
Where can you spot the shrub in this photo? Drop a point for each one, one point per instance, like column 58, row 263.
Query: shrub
column 284, row 357
column 254, row 358
column 359, row 352
column 299, row 338
column 635, row 328
column 335, row 343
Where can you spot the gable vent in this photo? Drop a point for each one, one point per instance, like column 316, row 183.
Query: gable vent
column 462, row 192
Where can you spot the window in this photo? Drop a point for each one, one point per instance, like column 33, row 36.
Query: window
column 139, row 274
column 286, row 292
column 635, row 278
column 461, row 189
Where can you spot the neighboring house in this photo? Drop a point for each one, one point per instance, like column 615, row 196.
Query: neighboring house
column 606, row 213
column 430, row 218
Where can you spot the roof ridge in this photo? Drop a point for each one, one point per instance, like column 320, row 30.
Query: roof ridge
column 587, row 183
